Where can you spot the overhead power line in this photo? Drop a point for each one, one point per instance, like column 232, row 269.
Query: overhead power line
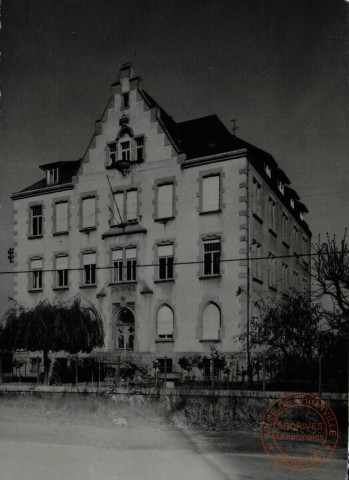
column 197, row 262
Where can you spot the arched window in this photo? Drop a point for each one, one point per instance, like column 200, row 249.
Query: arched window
column 130, row 342
column 121, row 341
column 165, row 322
column 211, row 322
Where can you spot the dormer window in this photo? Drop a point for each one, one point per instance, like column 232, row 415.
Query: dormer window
column 292, row 202
column 52, row 176
column 301, row 216
column 112, row 153
column 267, row 170
column 281, row 187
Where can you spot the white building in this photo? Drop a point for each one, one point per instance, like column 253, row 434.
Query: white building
column 154, row 226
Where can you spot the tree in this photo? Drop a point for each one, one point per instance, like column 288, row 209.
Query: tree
column 289, row 327
column 72, row 327
column 285, row 333
column 330, row 270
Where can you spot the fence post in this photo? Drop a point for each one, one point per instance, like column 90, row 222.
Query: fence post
column 263, row 372
column 320, row 380
column 38, row 369
column 165, row 371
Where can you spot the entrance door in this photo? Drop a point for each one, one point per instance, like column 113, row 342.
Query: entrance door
column 125, row 329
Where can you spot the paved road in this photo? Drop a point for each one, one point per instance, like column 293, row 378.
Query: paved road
column 49, row 449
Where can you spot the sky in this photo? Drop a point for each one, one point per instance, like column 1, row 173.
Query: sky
column 279, row 67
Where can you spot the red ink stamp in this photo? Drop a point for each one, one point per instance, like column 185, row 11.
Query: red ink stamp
column 299, row 431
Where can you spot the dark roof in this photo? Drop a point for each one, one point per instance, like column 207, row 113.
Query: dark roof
column 206, row 136
column 66, row 172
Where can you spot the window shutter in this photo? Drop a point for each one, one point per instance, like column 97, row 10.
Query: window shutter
column 89, row 259
column 62, row 217
column 118, row 207
column 210, row 193
column 116, row 255
column 131, row 205
column 62, row 263
column 165, row 201
column 88, row 212
column 130, row 253
column 165, row 250
column 165, row 321
column 211, row 323
column 36, row 264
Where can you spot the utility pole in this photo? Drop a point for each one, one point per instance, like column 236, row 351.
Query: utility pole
column 248, row 256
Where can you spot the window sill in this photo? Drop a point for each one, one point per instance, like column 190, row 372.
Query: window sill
column 254, row 279
column 209, row 277
column 56, row 234
column 91, row 285
column 164, row 340
column 211, row 211
column 33, row 237
column 131, row 282
column 210, row 341
column 60, row 288
column 164, row 219
column 164, row 280
column 285, row 244
column 258, row 218
column 87, row 229
column 270, row 230
column 35, row 290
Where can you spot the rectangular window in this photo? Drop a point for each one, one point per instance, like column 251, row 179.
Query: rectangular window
column 61, row 216
column 272, row 215
column 256, row 262
column 285, row 276
column 89, row 212
column 131, row 205
column 212, row 256
column 164, row 365
column 125, row 100
column 210, row 193
column 305, row 246
column 285, row 227
column 117, row 259
column 62, row 271
column 112, row 153
column 89, row 263
column 131, row 264
column 36, row 267
column 165, row 201
column 118, row 208
column 165, row 254
column 125, row 150
column 139, row 149
column 271, row 270
column 295, row 280
column 36, row 220
column 52, row 176
column 305, row 286
column 295, row 238
column 257, row 197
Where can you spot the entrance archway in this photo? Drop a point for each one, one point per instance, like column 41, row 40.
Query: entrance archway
column 125, row 329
